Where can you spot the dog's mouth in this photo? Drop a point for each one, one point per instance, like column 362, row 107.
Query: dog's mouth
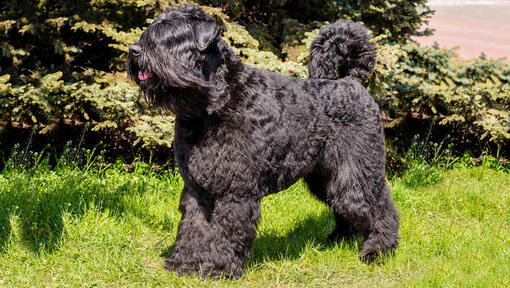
column 144, row 75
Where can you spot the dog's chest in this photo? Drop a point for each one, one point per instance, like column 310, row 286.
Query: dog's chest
column 218, row 162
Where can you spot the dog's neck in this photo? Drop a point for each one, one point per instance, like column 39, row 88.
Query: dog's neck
column 221, row 70
column 226, row 78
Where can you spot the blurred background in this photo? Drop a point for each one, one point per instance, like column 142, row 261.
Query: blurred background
column 476, row 27
column 439, row 76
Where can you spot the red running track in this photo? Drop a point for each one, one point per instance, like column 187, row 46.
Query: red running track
column 475, row 29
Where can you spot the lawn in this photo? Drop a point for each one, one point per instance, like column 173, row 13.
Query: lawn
column 109, row 228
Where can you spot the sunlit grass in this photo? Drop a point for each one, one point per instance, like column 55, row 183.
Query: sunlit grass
column 109, row 228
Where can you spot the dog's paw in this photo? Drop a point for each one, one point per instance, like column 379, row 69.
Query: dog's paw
column 203, row 270
column 178, row 267
column 219, row 273
column 370, row 255
column 339, row 236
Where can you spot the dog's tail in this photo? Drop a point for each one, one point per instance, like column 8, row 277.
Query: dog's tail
column 342, row 49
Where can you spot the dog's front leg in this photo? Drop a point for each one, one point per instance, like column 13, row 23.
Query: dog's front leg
column 234, row 221
column 191, row 247
column 214, row 239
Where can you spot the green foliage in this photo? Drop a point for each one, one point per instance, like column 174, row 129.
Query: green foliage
column 105, row 104
column 425, row 162
column 48, row 36
column 423, row 83
column 395, row 18
column 59, row 65
column 153, row 131
column 245, row 45
column 61, row 60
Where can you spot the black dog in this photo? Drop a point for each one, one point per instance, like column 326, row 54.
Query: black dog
column 243, row 133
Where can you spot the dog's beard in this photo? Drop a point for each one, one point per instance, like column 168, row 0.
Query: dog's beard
column 185, row 102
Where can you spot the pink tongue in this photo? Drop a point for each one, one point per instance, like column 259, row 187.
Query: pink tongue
column 142, row 75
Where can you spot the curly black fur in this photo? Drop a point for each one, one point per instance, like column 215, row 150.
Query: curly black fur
column 243, row 133
column 342, row 49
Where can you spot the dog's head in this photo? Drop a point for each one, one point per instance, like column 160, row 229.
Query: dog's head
column 175, row 57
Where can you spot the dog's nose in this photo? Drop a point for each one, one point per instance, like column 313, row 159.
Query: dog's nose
column 135, row 49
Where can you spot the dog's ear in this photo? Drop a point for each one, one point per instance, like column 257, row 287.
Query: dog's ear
column 205, row 34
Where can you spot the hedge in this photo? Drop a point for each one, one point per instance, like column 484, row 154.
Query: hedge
column 63, row 67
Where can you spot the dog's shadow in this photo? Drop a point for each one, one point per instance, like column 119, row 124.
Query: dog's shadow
column 40, row 215
column 312, row 231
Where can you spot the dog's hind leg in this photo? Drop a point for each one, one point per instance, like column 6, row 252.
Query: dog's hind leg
column 352, row 183
column 358, row 192
column 317, row 183
column 382, row 236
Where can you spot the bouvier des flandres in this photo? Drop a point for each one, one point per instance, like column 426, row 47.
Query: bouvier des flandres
column 242, row 133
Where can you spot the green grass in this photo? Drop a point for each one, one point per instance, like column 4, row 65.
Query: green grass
column 72, row 227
